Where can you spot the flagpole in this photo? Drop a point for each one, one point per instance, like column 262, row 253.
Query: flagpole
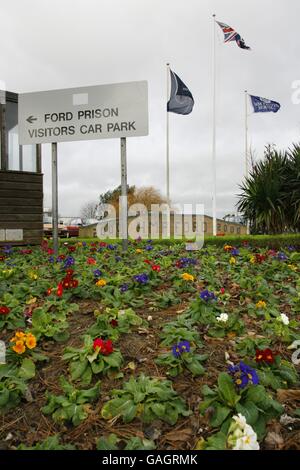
column 214, row 200
column 167, row 137
column 246, row 133
column 246, row 145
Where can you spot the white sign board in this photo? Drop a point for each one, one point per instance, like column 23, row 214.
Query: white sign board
column 85, row 113
column 14, row 235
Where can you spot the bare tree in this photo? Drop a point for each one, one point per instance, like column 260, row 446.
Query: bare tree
column 89, row 210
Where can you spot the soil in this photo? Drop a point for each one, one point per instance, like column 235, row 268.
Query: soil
column 28, row 425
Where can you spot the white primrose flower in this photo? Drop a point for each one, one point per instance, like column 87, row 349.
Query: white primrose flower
column 240, row 420
column 247, row 442
column 223, row 317
column 284, row 318
column 241, row 435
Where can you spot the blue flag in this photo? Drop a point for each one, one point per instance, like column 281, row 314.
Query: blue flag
column 263, row 105
column 181, row 99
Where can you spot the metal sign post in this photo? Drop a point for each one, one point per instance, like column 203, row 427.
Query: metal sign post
column 123, row 225
column 54, row 199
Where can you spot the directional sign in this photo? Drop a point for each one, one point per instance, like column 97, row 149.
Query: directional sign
column 85, row 113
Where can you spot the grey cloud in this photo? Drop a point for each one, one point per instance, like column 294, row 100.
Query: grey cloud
column 67, row 43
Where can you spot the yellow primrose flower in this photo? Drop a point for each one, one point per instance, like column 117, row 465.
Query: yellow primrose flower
column 140, row 409
column 252, row 259
column 30, row 341
column 7, row 272
column 228, row 247
column 232, row 260
column 101, row 283
column 20, row 334
column 33, row 275
column 138, row 250
column 292, row 267
column 187, row 277
column 261, row 304
column 19, row 347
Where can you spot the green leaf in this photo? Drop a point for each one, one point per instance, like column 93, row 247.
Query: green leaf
column 276, row 406
column 86, row 377
column 171, row 415
column 78, row 368
column 249, row 410
column 97, row 367
column 195, row 367
column 79, row 415
column 202, row 357
column 130, row 413
column 220, row 414
column 207, row 391
column 113, row 360
column 108, row 443
column 256, row 393
column 27, row 369
column 227, row 390
column 205, row 404
column 267, row 378
column 39, row 357
column 65, row 385
column 4, row 396
column 115, row 407
column 136, row 443
column 89, row 394
column 138, row 396
column 51, row 443
column 62, row 336
column 288, row 375
column 159, row 409
column 216, row 442
column 7, row 370
column 91, row 357
column 260, row 427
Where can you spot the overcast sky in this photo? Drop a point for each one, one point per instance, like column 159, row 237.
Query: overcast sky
column 48, row 44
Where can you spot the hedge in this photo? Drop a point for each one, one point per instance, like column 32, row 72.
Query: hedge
column 259, row 241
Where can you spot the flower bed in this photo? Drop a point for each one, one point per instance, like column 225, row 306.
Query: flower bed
column 156, row 348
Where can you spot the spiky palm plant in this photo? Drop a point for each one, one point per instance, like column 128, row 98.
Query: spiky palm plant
column 292, row 187
column 270, row 194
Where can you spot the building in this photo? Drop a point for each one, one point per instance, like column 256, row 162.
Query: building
column 21, row 187
column 223, row 227
column 21, row 180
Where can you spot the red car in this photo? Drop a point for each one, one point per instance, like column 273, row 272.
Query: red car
column 73, row 228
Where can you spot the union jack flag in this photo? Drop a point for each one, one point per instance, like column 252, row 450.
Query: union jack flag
column 231, row 35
